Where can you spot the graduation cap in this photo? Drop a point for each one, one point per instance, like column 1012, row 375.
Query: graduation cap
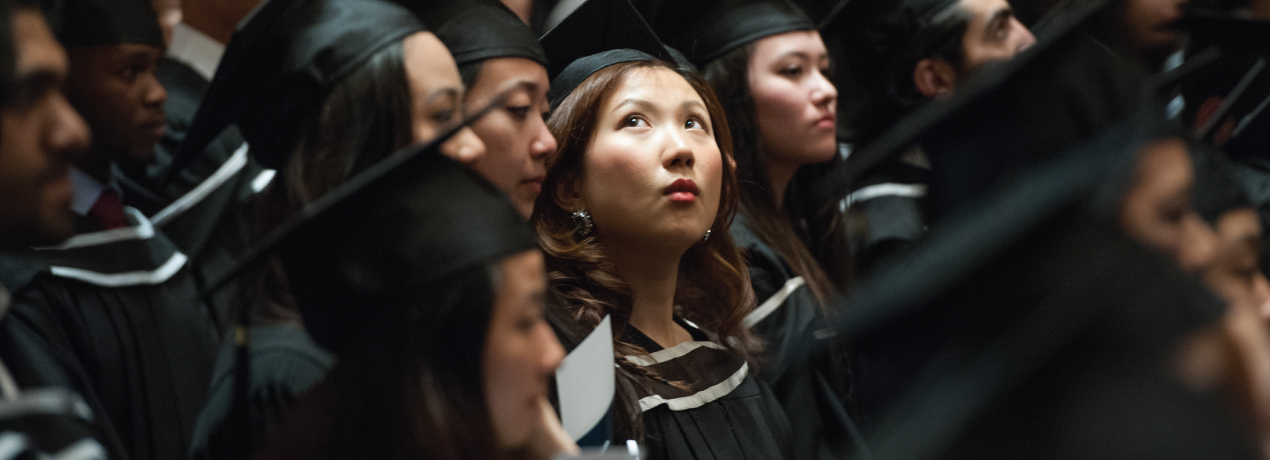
column 1009, row 114
column 279, row 67
column 386, row 234
column 103, row 22
column 476, row 30
column 704, row 30
column 598, row 34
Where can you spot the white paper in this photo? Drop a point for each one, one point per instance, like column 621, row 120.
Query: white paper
column 586, row 381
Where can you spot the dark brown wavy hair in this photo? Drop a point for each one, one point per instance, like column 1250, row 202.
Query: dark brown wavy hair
column 713, row 289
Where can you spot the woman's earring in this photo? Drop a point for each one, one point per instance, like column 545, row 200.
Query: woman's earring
column 582, row 223
column 707, row 238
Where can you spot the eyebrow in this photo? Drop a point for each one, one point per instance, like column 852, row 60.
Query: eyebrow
column 804, row 55
column 638, row 103
column 440, row 93
column 1002, row 15
column 524, row 85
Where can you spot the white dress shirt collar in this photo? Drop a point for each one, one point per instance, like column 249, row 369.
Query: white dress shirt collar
column 85, row 191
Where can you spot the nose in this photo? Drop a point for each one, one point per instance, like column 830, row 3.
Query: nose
column 823, row 92
column 678, row 153
column 155, row 94
column 543, row 144
column 1026, row 39
column 1199, row 244
column 68, row 136
column 1261, row 295
column 464, row 147
column 552, row 353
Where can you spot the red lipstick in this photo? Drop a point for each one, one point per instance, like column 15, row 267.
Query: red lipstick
column 682, row 191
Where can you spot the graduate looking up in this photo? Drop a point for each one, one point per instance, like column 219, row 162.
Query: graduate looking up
column 634, row 220
column 497, row 53
column 769, row 65
column 374, row 80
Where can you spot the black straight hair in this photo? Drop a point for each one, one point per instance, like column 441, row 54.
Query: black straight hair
column 365, row 118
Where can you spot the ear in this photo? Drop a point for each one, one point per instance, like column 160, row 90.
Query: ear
column 934, row 77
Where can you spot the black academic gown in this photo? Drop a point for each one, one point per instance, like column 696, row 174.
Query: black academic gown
column 725, row 413
column 886, row 213
column 45, row 369
column 125, row 303
column 812, row 393
column 285, row 363
column 199, row 208
column 1029, row 326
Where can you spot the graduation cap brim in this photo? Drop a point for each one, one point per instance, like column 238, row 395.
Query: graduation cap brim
column 598, row 34
column 1065, row 20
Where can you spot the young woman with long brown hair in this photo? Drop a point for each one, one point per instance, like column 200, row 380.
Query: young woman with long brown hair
column 633, row 218
column 770, row 68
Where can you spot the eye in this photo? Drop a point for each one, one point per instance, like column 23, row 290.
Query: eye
column 694, row 123
column 634, row 121
column 546, row 115
column 444, row 115
column 519, row 112
column 791, row 71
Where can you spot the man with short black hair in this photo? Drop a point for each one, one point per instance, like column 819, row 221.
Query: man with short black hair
column 119, row 294
column 40, row 136
column 903, row 55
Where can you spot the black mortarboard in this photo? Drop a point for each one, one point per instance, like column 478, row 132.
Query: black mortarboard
column 1216, row 190
column 104, row 22
column 278, row 68
column 476, row 30
column 598, row 34
column 704, row 30
column 386, row 235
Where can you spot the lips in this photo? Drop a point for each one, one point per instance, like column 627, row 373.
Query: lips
column 827, row 121
column 534, row 183
column 682, row 190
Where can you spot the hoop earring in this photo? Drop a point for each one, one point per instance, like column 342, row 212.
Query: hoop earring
column 582, row 224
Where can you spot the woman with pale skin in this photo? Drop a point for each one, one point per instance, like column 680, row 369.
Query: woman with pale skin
column 633, row 219
column 499, row 56
column 770, row 67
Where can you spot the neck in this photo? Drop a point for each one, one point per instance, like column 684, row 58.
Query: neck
column 652, row 274
column 779, row 176
column 198, row 16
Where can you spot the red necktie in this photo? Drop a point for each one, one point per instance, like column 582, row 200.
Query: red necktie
column 108, row 210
